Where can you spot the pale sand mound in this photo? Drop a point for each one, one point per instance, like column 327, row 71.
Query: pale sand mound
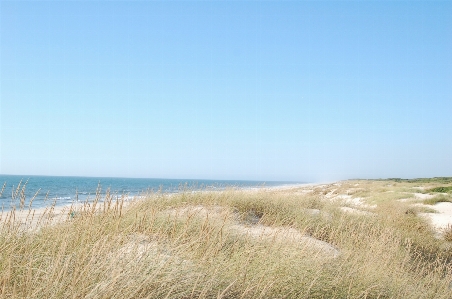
column 355, row 211
column 287, row 235
column 356, row 201
column 141, row 248
column 423, row 196
column 278, row 234
column 443, row 218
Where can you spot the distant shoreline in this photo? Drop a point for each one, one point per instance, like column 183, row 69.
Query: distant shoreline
column 72, row 190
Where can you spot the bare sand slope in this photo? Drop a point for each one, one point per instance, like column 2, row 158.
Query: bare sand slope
column 287, row 235
column 443, row 218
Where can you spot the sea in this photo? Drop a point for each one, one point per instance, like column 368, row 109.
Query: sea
column 42, row 191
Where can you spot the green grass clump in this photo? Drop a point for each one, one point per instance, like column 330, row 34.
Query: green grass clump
column 211, row 245
column 441, row 189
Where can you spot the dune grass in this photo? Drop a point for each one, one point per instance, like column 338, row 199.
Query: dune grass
column 228, row 244
column 437, row 199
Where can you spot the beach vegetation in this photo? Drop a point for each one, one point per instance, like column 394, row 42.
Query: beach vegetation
column 442, row 189
column 448, row 233
column 267, row 243
column 437, row 199
column 443, row 180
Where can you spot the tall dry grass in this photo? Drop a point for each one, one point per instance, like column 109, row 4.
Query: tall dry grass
column 229, row 244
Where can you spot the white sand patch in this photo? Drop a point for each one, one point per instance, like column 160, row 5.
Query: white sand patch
column 442, row 219
column 444, row 216
column 423, row 196
column 287, row 235
column 356, row 211
column 356, row 201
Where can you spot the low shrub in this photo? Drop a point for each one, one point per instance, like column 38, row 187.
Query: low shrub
column 443, row 189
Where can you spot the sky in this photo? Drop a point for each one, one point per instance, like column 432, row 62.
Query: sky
column 251, row 90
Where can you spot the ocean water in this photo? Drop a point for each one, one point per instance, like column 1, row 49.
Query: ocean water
column 66, row 190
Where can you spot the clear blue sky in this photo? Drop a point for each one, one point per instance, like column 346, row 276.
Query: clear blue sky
column 260, row 90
